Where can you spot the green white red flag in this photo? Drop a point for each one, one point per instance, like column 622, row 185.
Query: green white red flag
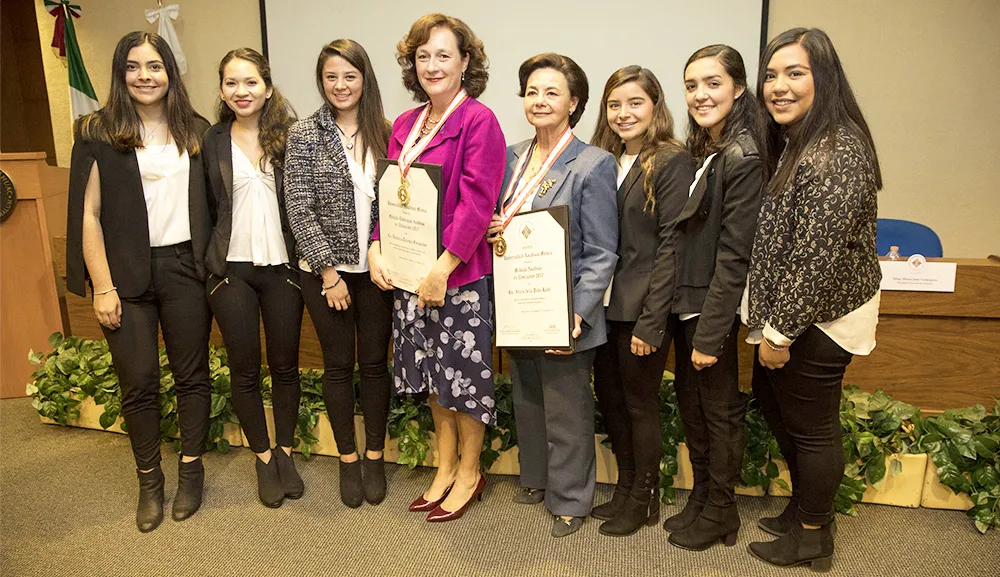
column 83, row 99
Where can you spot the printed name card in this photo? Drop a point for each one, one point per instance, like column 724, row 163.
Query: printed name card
column 916, row 274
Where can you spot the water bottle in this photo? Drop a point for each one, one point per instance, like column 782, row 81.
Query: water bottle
column 894, row 253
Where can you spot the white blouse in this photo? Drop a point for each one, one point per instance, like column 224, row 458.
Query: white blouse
column 625, row 162
column 853, row 332
column 165, row 180
column 256, row 235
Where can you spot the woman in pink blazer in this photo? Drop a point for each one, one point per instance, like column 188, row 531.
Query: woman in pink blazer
column 442, row 334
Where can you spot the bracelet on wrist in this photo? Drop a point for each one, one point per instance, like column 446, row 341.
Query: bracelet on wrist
column 773, row 346
column 104, row 292
column 331, row 287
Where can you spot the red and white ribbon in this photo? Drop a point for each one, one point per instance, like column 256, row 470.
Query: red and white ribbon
column 516, row 193
column 413, row 149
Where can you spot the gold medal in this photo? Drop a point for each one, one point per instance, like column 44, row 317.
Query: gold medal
column 404, row 192
column 500, row 246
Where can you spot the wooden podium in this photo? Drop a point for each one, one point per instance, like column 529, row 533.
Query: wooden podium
column 29, row 303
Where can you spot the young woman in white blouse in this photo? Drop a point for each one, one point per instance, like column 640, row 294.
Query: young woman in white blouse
column 137, row 226
column 332, row 209
column 250, row 262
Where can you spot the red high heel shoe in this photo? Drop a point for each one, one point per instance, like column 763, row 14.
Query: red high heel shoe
column 420, row 504
column 440, row 515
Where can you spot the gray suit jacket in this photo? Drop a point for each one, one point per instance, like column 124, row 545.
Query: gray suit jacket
column 584, row 178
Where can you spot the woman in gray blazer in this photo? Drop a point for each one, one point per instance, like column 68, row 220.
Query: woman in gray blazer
column 553, row 403
column 654, row 173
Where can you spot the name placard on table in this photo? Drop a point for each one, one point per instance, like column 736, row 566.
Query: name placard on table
column 917, row 274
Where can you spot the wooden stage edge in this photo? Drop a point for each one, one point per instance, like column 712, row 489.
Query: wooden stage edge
column 936, row 351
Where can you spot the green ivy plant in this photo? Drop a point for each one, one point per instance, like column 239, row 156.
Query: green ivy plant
column 964, row 444
column 874, row 426
column 759, row 467
column 671, row 433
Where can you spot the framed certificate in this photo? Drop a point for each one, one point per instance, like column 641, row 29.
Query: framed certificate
column 409, row 217
column 532, row 282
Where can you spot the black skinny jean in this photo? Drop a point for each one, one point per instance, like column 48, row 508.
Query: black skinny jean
column 369, row 317
column 240, row 299
column 628, row 393
column 713, row 411
column 801, row 402
column 174, row 301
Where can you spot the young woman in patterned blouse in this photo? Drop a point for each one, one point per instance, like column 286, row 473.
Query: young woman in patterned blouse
column 814, row 279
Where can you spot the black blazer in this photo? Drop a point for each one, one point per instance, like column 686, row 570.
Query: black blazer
column 123, row 217
column 218, row 149
column 642, row 291
column 715, row 234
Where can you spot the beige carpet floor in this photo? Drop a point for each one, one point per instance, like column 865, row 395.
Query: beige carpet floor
column 67, row 506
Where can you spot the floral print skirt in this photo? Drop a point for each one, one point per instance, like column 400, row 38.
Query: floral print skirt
column 447, row 351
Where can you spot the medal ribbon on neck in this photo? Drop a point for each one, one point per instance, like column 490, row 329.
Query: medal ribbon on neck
column 413, row 149
column 517, row 195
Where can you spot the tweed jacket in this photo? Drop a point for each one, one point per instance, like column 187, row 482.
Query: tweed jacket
column 124, row 217
column 470, row 150
column 218, row 147
column 814, row 257
column 319, row 194
column 584, row 178
column 715, row 234
column 643, row 289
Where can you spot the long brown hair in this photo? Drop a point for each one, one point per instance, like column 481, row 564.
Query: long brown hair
column 476, row 74
column 276, row 116
column 375, row 129
column 746, row 114
column 833, row 106
column 659, row 143
column 118, row 124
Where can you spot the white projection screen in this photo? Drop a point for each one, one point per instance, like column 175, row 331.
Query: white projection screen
column 600, row 36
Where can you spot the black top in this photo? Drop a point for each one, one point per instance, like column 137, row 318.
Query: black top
column 218, row 149
column 123, row 217
column 643, row 286
column 715, row 236
column 814, row 256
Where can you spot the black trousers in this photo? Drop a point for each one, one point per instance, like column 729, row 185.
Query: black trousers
column 367, row 322
column 801, row 402
column 240, row 299
column 628, row 393
column 713, row 411
column 174, row 301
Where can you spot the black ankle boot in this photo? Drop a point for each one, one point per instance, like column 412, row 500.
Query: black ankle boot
column 798, row 547
column 713, row 525
column 291, row 482
column 190, row 485
column 779, row 525
column 351, row 491
column 149, row 514
column 622, row 490
column 690, row 512
column 374, row 480
column 269, row 487
column 641, row 508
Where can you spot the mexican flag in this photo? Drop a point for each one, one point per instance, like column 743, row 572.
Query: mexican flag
column 82, row 97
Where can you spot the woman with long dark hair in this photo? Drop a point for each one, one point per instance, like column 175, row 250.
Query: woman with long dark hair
column 137, row 227
column 814, row 279
column 250, row 276
column 654, row 173
column 331, row 205
column 714, row 236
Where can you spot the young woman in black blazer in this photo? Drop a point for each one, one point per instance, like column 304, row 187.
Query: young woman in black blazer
column 654, row 173
column 250, row 261
column 714, row 236
column 137, row 227
column 814, row 279
column 331, row 204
